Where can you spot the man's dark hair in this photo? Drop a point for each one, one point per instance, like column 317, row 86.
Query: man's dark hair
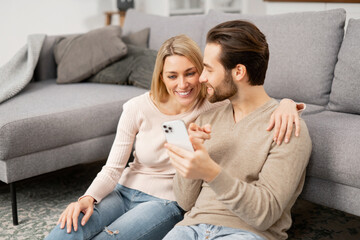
column 242, row 42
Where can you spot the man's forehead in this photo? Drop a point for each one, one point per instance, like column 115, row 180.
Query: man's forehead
column 211, row 53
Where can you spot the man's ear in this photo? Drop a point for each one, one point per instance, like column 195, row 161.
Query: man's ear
column 239, row 72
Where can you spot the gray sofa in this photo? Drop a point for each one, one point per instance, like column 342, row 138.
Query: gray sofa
column 48, row 126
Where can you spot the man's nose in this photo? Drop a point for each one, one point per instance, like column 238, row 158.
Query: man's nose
column 203, row 77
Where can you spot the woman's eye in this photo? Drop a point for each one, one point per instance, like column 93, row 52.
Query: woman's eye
column 172, row 76
column 190, row 74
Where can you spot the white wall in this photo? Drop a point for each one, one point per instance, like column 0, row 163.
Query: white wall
column 352, row 9
column 19, row 18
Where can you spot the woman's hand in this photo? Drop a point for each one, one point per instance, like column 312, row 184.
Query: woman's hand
column 71, row 213
column 282, row 120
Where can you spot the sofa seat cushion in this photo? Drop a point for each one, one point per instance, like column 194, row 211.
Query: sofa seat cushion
column 303, row 51
column 334, row 156
column 344, row 96
column 46, row 115
column 162, row 28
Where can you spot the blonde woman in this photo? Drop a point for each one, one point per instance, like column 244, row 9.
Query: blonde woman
column 137, row 202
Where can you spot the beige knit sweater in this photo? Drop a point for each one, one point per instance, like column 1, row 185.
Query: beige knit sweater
column 259, row 181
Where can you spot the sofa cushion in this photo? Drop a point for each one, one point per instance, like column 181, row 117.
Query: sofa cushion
column 303, row 51
column 344, row 96
column 80, row 56
column 162, row 28
column 334, row 156
column 135, row 68
column 46, row 115
column 140, row 38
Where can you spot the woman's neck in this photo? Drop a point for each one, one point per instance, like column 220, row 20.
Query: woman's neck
column 172, row 107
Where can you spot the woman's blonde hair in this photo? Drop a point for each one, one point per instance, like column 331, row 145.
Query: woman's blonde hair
column 180, row 45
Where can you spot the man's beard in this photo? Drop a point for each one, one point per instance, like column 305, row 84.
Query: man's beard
column 226, row 90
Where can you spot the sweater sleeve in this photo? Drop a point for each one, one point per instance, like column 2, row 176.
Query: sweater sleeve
column 108, row 177
column 261, row 203
column 186, row 191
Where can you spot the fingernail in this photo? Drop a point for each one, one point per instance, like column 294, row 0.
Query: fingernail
column 286, row 140
column 275, row 139
column 83, row 223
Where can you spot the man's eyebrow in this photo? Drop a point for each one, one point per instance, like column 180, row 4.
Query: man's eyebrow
column 207, row 65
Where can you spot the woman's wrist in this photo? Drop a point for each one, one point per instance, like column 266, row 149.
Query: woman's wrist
column 87, row 198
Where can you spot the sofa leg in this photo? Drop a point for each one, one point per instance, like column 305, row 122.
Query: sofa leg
column 13, row 204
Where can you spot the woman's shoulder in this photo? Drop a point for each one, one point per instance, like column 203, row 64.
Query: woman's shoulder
column 138, row 101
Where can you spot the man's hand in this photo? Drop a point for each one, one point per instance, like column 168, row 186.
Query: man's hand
column 199, row 134
column 282, row 121
column 194, row 165
column 71, row 213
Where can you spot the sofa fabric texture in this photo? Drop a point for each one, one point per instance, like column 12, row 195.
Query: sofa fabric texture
column 345, row 91
column 80, row 56
column 330, row 159
column 139, row 39
column 93, row 110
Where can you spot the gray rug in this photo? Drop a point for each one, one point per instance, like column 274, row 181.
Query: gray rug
column 42, row 199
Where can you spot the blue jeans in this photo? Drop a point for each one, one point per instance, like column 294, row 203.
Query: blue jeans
column 126, row 214
column 211, row 232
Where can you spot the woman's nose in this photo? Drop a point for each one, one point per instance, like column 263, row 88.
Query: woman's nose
column 183, row 82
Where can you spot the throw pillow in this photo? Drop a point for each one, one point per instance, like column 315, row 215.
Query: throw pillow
column 140, row 38
column 80, row 56
column 143, row 68
column 135, row 68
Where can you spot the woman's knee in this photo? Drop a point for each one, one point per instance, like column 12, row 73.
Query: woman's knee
column 58, row 233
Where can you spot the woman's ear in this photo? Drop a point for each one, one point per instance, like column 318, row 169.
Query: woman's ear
column 239, row 72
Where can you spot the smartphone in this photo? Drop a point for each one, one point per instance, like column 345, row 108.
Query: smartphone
column 176, row 134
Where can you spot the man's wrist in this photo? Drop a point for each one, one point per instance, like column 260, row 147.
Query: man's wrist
column 212, row 173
